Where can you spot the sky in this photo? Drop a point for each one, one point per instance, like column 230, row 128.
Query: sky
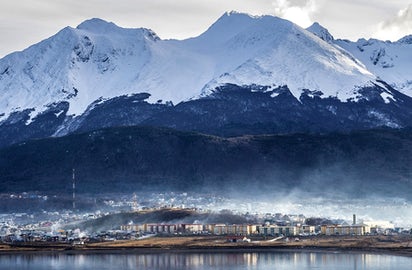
column 26, row 22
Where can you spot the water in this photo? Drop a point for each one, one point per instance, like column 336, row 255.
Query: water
column 235, row 260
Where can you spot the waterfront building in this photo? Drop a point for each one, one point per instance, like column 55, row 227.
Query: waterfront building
column 345, row 229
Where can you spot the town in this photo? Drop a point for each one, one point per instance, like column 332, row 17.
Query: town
column 176, row 214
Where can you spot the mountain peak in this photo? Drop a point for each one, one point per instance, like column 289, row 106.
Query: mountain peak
column 320, row 31
column 97, row 25
column 234, row 13
column 237, row 13
column 232, row 23
column 246, row 17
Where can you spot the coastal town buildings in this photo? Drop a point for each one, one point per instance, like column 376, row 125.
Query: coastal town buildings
column 248, row 229
column 345, row 229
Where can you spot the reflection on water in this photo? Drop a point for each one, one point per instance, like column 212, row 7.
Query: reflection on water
column 234, row 260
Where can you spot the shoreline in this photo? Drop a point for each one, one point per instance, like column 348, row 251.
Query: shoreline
column 145, row 251
column 216, row 245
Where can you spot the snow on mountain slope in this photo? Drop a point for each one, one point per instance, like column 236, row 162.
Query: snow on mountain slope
column 36, row 76
column 99, row 60
column 391, row 61
column 282, row 53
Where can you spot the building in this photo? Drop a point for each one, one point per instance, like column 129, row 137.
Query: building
column 307, row 230
column 345, row 229
column 275, row 230
column 232, row 229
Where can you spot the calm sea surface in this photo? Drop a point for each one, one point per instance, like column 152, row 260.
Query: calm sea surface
column 237, row 260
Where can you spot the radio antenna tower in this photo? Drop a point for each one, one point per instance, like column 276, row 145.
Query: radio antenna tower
column 134, row 207
column 74, row 190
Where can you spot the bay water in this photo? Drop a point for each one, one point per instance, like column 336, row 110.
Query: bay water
column 206, row 261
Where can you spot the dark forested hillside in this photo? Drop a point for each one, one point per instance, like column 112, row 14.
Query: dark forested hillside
column 144, row 158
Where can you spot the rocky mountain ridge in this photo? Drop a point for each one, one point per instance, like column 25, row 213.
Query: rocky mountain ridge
column 244, row 75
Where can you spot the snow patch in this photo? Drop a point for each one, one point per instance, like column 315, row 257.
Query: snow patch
column 32, row 115
column 58, row 113
column 384, row 119
column 387, row 97
column 274, row 94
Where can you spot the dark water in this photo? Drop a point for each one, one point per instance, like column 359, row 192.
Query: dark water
column 206, row 261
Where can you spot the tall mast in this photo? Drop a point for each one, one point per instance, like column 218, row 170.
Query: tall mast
column 134, row 207
column 74, row 190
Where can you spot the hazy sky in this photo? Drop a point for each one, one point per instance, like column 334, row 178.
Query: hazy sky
column 25, row 22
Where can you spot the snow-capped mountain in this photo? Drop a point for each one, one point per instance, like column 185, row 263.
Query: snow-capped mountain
column 281, row 53
column 99, row 60
column 255, row 72
column 390, row 61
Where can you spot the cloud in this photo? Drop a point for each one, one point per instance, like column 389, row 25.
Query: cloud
column 297, row 11
column 396, row 27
